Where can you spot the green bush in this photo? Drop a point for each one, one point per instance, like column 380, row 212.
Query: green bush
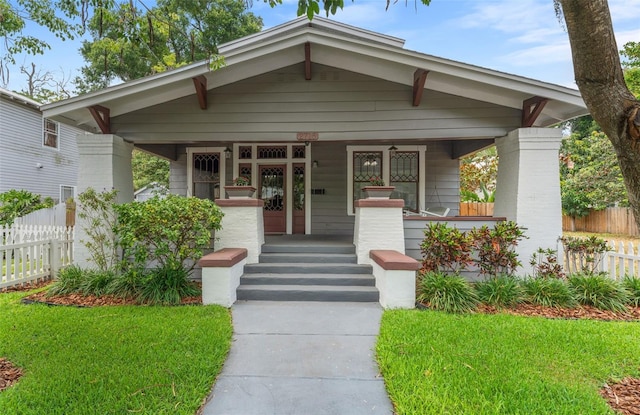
column 496, row 248
column 170, row 231
column 500, row 291
column 68, row 281
column 167, row 286
column 599, row 291
column 127, row 284
column 16, row 203
column 450, row 293
column 548, row 292
column 95, row 282
column 632, row 284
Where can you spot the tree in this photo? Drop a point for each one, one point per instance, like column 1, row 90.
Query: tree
column 590, row 176
column 478, row 173
column 598, row 74
column 600, row 78
column 129, row 43
column 148, row 168
column 64, row 19
column 631, row 51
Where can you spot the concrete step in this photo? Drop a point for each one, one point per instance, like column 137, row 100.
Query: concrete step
column 297, row 258
column 307, row 293
column 303, row 247
column 309, row 279
column 306, row 268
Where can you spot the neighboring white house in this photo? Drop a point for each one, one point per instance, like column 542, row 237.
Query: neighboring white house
column 310, row 111
column 149, row 191
column 36, row 154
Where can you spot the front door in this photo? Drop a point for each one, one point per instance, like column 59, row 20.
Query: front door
column 272, row 191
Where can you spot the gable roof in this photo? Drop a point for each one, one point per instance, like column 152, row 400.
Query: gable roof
column 332, row 44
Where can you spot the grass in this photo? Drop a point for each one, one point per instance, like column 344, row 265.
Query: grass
column 438, row 363
column 111, row 360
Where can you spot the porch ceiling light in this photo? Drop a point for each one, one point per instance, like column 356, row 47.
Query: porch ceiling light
column 227, row 153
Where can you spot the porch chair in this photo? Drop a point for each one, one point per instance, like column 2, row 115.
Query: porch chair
column 438, row 211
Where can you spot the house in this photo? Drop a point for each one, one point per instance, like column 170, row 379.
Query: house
column 149, row 191
column 311, row 111
column 36, row 154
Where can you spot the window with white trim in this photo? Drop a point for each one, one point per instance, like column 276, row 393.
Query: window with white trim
column 67, row 192
column 399, row 168
column 50, row 133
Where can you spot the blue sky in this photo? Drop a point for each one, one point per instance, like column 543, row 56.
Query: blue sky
column 521, row 37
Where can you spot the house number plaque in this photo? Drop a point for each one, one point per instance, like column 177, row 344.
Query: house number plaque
column 307, row 136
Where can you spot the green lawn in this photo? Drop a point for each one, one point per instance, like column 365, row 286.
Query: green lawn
column 111, row 360
column 437, row 363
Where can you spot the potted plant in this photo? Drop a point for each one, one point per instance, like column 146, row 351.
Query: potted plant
column 241, row 188
column 377, row 189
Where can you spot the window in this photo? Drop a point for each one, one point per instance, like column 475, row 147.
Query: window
column 404, row 175
column 206, row 175
column 400, row 168
column 67, row 192
column 50, row 134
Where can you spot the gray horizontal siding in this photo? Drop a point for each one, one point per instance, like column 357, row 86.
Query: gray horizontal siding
column 414, row 231
column 442, row 187
column 329, row 211
column 21, row 150
column 338, row 104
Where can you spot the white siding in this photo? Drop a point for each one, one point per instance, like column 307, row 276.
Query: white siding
column 339, row 105
column 21, row 150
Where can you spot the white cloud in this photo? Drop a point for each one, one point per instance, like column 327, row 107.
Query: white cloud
column 624, row 10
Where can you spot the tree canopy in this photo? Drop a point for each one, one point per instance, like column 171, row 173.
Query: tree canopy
column 129, row 42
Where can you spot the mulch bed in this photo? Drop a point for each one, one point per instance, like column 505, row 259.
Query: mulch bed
column 9, row 374
column 582, row 312
column 623, row 396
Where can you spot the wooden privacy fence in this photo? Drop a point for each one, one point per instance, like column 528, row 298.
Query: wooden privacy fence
column 62, row 214
column 622, row 260
column 476, row 209
column 617, row 220
column 29, row 253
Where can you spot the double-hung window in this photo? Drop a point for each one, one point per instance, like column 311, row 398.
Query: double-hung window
column 50, row 133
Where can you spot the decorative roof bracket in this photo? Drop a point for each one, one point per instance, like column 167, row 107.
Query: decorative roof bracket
column 101, row 115
column 531, row 110
column 419, row 79
column 200, row 83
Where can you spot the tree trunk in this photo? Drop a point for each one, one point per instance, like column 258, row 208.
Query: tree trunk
column 599, row 77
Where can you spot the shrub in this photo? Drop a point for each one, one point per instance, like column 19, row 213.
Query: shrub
column 127, row 284
column 496, row 248
column 98, row 222
column 95, row 282
column 545, row 264
column 68, row 281
column 450, row 293
column 548, row 292
column 500, row 291
column 445, row 249
column 16, row 203
column 584, row 254
column 167, row 286
column 632, row 284
column 169, row 231
column 599, row 291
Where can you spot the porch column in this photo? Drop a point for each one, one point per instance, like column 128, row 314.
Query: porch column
column 378, row 225
column 528, row 187
column 104, row 164
column 242, row 226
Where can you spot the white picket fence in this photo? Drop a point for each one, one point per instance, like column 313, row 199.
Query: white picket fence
column 622, row 260
column 53, row 216
column 29, row 252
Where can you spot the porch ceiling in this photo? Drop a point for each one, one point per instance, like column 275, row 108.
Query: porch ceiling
column 332, row 44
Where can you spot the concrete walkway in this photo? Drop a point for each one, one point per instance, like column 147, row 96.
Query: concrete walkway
column 301, row 358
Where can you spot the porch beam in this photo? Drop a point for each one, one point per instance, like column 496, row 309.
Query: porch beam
column 101, row 116
column 465, row 147
column 419, row 79
column 200, row 83
column 167, row 151
column 307, row 61
column 531, row 110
